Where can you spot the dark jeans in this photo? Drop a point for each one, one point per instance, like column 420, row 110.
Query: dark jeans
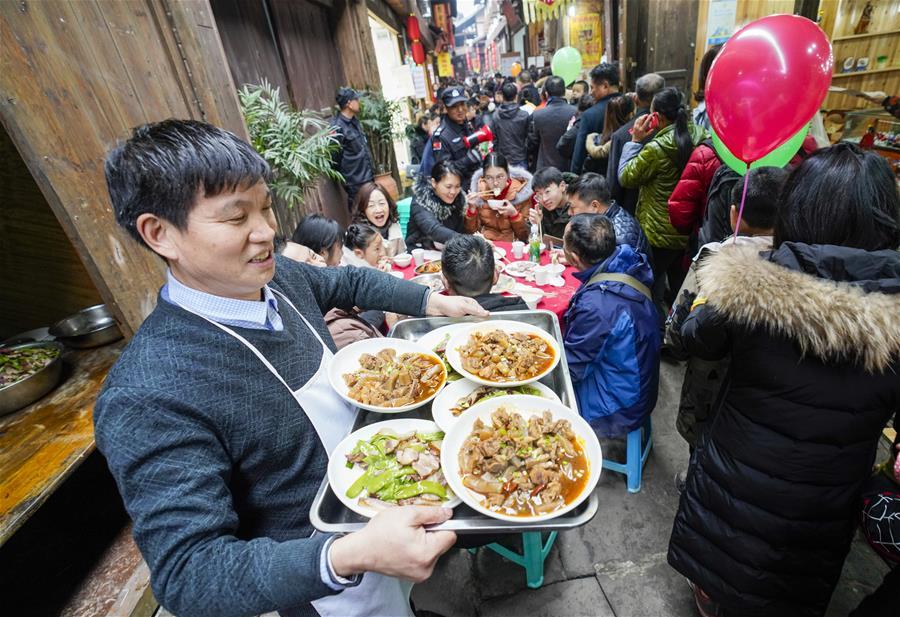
column 667, row 265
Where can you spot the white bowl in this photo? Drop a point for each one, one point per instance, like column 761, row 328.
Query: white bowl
column 347, row 361
column 396, row 274
column 531, row 298
column 340, row 477
column 461, row 337
column 402, row 260
column 495, row 203
column 527, row 406
column 446, row 398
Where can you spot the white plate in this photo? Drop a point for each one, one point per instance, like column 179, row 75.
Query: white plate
column 499, row 252
column 460, row 338
column 504, row 283
column 527, row 406
column 432, row 255
column 432, row 281
column 340, row 477
column 446, row 398
column 520, row 269
column 431, row 339
column 347, row 361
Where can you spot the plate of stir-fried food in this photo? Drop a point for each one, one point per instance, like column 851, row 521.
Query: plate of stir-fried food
column 437, row 340
column 387, row 375
column 390, row 464
column 519, row 458
column 460, row 396
column 502, row 353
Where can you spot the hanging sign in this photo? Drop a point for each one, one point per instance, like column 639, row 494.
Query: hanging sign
column 445, row 64
column 584, row 35
column 418, row 79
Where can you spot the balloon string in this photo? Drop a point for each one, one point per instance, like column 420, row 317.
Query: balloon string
column 740, row 215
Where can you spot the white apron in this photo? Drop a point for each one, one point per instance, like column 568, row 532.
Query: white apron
column 332, row 418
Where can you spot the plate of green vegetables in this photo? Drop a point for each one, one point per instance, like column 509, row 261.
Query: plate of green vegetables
column 389, row 464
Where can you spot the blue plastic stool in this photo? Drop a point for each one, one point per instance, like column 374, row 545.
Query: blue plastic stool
column 403, row 207
column 532, row 558
column 639, row 442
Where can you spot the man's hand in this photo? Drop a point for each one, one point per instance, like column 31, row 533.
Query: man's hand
column 453, row 306
column 507, row 209
column 641, row 128
column 535, row 215
column 395, row 543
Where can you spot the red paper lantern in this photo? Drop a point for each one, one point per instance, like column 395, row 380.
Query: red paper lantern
column 412, row 27
column 418, row 52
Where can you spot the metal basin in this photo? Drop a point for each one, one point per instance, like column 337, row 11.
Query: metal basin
column 22, row 393
column 90, row 327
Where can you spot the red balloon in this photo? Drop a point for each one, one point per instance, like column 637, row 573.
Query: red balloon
column 767, row 82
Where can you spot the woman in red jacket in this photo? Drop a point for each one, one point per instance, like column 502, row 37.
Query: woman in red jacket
column 688, row 201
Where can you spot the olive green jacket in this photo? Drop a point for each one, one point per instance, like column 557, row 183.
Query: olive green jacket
column 655, row 173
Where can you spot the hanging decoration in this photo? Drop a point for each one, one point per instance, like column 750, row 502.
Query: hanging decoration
column 415, row 47
column 542, row 10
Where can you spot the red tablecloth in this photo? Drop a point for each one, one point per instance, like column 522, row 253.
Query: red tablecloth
column 557, row 298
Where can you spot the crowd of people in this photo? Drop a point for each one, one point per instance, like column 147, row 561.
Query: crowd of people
column 786, row 317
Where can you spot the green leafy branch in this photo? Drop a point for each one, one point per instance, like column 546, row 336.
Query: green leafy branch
column 299, row 145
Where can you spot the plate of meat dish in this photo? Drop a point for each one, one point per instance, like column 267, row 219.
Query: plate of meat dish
column 429, row 267
column 519, row 458
column 389, row 464
column 387, row 375
column 503, row 353
column 460, row 396
column 437, row 340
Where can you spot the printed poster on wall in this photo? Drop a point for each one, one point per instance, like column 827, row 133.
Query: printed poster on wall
column 585, row 36
column 445, row 64
column 720, row 21
column 418, row 78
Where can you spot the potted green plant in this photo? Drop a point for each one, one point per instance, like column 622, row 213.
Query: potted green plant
column 299, row 145
column 378, row 118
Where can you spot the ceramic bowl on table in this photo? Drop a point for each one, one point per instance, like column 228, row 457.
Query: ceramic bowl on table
column 347, row 361
column 531, row 296
column 527, row 407
column 402, row 260
column 91, row 327
column 460, row 339
column 26, row 390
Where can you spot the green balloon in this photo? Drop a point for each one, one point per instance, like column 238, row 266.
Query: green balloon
column 779, row 157
column 566, row 63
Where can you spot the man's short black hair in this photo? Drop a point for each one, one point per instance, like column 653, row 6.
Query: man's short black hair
column 590, row 187
column 763, row 192
column 590, row 237
column 468, row 265
column 607, row 72
column 164, row 166
column 510, row 92
column 583, row 83
column 555, row 86
column 545, row 176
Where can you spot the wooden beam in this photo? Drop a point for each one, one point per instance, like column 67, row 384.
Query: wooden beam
column 76, row 78
column 354, row 42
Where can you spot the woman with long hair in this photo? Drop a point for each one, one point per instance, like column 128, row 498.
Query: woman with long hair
column 436, row 211
column 619, row 111
column 373, row 206
column 812, row 329
column 699, row 115
column 655, row 168
column 498, row 203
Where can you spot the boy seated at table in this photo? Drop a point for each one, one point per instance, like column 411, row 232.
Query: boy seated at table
column 549, row 186
column 612, row 336
column 467, row 267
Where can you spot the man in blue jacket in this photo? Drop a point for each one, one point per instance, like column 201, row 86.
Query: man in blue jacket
column 604, row 86
column 589, row 194
column 612, row 331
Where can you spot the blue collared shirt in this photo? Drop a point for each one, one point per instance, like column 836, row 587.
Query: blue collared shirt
column 254, row 314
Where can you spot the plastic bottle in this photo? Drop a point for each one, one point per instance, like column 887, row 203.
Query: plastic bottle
column 534, row 245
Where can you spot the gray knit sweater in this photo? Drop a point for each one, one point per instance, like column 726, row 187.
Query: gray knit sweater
column 216, row 463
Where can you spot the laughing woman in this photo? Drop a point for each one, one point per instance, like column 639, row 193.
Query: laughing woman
column 373, row 206
column 812, row 329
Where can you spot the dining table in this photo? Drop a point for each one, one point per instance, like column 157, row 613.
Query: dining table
column 555, row 299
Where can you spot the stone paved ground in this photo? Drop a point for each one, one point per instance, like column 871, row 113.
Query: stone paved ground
column 615, row 566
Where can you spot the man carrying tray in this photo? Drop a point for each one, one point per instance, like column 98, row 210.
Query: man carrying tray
column 218, row 418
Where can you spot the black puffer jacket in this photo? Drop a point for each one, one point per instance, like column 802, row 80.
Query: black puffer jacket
column 430, row 219
column 767, row 515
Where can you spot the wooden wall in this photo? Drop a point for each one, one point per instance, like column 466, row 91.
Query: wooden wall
column 41, row 276
column 76, row 77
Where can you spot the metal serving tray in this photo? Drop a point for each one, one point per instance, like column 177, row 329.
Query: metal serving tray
column 329, row 515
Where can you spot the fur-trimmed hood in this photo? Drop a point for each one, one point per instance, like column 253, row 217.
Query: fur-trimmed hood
column 837, row 303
